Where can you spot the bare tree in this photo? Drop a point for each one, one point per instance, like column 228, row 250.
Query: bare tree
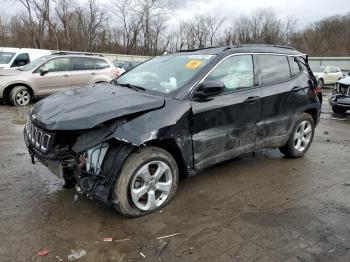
column 90, row 21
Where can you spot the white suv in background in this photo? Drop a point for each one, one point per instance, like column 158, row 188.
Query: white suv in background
column 327, row 75
column 53, row 73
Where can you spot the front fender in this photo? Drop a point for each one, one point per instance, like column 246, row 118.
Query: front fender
column 170, row 123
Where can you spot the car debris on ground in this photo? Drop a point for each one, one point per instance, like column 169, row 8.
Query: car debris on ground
column 76, row 254
column 160, row 246
column 167, row 236
column 42, row 253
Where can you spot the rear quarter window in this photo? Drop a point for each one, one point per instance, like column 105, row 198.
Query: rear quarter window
column 295, row 67
column 100, row 63
column 82, row 63
column 274, row 69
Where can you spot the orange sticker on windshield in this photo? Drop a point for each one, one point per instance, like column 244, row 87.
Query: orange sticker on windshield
column 193, row 64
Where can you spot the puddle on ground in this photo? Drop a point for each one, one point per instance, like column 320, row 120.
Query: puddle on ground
column 21, row 115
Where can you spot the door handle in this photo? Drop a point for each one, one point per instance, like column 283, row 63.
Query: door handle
column 252, row 99
column 65, row 75
column 93, row 73
column 297, row 88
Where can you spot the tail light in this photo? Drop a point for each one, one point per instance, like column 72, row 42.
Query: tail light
column 116, row 72
column 317, row 91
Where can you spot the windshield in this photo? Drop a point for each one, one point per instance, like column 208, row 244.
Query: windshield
column 165, row 73
column 6, row 57
column 34, row 64
column 317, row 68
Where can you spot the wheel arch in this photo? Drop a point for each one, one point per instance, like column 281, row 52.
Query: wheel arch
column 314, row 113
column 170, row 145
column 8, row 89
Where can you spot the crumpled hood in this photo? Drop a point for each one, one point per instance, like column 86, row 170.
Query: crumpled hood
column 86, row 107
column 344, row 81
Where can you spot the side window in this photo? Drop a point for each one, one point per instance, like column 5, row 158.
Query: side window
column 100, row 63
column 21, row 60
column 57, row 65
column 82, row 63
column 236, row 72
column 294, row 66
column 274, row 69
column 333, row 70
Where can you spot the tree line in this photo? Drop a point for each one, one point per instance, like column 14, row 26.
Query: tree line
column 141, row 27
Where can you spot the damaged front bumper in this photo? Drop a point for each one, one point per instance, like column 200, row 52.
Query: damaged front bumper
column 340, row 99
column 91, row 172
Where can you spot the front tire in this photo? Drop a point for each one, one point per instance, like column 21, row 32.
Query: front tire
column 301, row 137
column 20, row 96
column 339, row 110
column 147, row 182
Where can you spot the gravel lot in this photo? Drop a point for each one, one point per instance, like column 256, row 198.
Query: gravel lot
column 260, row 207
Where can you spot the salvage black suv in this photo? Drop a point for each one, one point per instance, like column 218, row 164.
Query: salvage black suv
column 126, row 143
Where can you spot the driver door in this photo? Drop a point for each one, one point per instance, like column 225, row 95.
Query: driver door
column 57, row 78
column 225, row 126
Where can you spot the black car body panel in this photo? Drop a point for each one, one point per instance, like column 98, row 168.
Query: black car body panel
column 199, row 132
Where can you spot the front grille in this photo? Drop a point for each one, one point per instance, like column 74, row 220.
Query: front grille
column 343, row 89
column 37, row 137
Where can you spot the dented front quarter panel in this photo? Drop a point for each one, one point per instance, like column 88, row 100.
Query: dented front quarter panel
column 169, row 123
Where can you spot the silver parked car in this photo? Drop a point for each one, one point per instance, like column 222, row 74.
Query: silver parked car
column 53, row 73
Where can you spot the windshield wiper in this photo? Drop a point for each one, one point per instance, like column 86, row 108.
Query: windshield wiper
column 137, row 88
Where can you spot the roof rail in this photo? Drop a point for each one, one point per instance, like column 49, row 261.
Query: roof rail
column 197, row 49
column 75, row 53
column 284, row 46
column 261, row 45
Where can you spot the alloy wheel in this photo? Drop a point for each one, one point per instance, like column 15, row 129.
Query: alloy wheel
column 302, row 136
column 151, row 185
column 22, row 98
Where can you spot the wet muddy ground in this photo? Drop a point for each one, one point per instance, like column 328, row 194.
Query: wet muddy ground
column 260, row 207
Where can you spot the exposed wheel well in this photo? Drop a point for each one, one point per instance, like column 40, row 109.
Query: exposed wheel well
column 314, row 113
column 8, row 89
column 170, row 146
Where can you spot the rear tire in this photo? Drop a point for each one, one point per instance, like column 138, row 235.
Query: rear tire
column 138, row 189
column 339, row 110
column 20, row 96
column 301, row 137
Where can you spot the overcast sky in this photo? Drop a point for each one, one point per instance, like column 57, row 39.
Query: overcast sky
column 305, row 11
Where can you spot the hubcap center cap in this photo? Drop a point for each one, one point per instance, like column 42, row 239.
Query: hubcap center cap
column 152, row 184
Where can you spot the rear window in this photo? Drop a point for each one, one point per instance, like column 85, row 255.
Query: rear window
column 274, row 69
column 82, row 63
column 100, row 63
column 6, row 57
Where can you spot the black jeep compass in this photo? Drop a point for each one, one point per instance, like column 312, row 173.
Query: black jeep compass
column 126, row 143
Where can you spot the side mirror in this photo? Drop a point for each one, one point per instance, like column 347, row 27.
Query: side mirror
column 210, row 88
column 21, row 63
column 43, row 71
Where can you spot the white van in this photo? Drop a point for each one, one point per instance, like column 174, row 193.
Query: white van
column 16, row 57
